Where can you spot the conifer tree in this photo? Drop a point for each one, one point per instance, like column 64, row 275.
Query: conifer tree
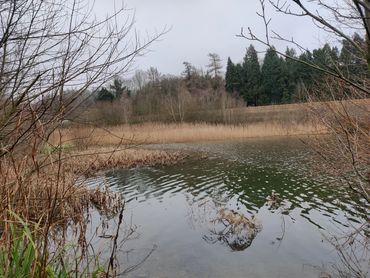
column 273, row 78
column 291, row 68
column 351, row 57
column 117, row 88
column 230, row 76
column 214, row 69
column 238, row 82
column 188, row 71
column 252, row 68
column 105, row 95
column 214, row 65
column 305, row 73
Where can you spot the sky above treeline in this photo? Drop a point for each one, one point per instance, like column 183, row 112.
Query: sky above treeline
column 199, row 27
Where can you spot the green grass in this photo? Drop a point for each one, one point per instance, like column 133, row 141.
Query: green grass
column 22, row 257
column 19, row 260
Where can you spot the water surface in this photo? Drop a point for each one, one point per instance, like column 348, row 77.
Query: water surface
column 254, row 208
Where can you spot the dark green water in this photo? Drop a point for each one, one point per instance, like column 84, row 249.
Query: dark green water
column 214, row 217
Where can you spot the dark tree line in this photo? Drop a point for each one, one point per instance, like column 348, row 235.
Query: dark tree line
column 115, row 91
column 284, row 80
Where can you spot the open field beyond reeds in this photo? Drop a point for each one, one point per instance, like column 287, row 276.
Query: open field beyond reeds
column 247, row 122
column 158, row 133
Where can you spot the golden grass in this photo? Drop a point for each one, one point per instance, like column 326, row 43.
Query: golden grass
column 262, row 121
column 157, row 133
column 302, row 107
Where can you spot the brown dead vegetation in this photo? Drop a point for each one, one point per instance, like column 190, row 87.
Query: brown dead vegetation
column 54, row 186
column 91, row 161
column 274, row 120
column 159, row 133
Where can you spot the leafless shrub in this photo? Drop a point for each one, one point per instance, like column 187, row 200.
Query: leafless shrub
column 46, row 49
column 346, row 152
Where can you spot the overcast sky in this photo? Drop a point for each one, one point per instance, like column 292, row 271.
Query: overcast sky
column 199, row 27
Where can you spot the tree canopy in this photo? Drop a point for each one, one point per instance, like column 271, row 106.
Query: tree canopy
column 283, row 80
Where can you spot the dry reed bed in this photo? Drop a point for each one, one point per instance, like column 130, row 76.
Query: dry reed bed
column 51, row 195
column 157, row 133
column 273, row 120
column 39, row 196
column 305, row 107
column 91, row 161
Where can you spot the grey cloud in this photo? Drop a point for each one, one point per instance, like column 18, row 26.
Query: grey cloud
column 203, row 26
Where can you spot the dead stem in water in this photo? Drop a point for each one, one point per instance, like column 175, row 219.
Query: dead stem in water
column 49, row 195
column 54, row 186
column 48, row 189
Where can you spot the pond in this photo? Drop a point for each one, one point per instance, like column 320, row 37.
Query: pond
column 254, row 208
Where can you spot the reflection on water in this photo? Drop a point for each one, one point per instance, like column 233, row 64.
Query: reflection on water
column 226, row 226
column 253, row 209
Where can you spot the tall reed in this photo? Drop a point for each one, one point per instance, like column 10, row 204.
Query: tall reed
column 161, row 133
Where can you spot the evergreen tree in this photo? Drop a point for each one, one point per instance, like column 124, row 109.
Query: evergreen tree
column 291, row 68
column 304, row 72
column 191, row 76
column 252, row 69
column 230, row 77
column 105, row 95
column 326, row 57
column 189, row 71
column 351, row 58
column 117, row 88
column 238, row 83
column 273, row 77
column 243, row 79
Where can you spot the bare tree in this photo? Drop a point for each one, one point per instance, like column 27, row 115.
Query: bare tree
column 346, row 152
column 49, row 49
column 140, row 78
column 342, row 87
column 153, row 75
column 42, row 56
column 214, row 65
